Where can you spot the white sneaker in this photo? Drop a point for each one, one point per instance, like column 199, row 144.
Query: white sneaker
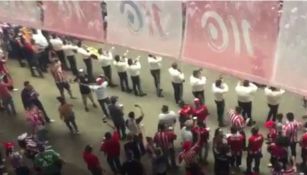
column 15, row 89
column 51, row 120
column 77, row 132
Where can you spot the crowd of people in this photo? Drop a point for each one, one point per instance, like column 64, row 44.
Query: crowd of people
column 45, row 51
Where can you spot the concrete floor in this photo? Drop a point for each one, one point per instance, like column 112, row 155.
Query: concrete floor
column 90, row 123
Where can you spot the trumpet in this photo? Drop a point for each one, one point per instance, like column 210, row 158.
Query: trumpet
column 126, row 53
column 137, row 59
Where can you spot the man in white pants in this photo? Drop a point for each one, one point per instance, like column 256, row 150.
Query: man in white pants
column 245, row 90
column 273, row 98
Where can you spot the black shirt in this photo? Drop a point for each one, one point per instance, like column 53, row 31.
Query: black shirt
column 222, row 164
column 84, row 89
column 26, row 98
column 116, row 114
column 133, row 147
column 132, row 167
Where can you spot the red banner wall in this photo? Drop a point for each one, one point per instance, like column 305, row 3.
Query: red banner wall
column 233, row 37
column 27, row 13
column 78, row 18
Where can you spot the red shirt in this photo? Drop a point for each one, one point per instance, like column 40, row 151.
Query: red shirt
column 255, row 143
column 272, row 135
column 4, row 91
column 204, row 134
column 201, row 112
column 277, row 151
column 91, row 160
column 186, row 111
column 235, row 141
column 3, row 69
column 304, row 141
column 29, row 48
column 111, row 147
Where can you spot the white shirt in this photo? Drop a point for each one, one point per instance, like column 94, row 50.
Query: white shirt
column 177, row 77
column 186, row 134
column 56, row 43
column 273, row 97
column 134, row 69
column 69, row 49
column 245, row 93
column 40, row 39
column 100, row 90
column 120, row 66
column 219, row 91
column 198, row 84
column 105, row 59
column 154, row 63
column 133, row 127
column 168, row 119
column 85, row 54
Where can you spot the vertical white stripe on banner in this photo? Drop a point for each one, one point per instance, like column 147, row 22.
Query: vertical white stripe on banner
column 154, row 26
column 291, row 57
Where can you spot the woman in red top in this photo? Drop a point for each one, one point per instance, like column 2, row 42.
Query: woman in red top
column 272, row 135
column 6, row 97
column 92, row 161
column 4, row 70
column 184, row 112
column 111, row 147
column 200, row 111
column 30, row 53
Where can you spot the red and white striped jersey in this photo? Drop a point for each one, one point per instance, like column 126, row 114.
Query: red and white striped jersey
column 290, row 130
column 237, row 120
column 164, row 139
column 189, row 156
column 290, row 171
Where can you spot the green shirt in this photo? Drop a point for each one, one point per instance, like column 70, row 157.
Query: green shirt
column 47, row 161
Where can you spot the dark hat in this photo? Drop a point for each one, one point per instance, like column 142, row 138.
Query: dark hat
column 113, row 99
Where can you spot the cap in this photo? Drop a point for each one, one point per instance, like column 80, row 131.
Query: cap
column 81, row 70
column 113, row 99
column 196, row 100
column 99, row 81
column 269, row 124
